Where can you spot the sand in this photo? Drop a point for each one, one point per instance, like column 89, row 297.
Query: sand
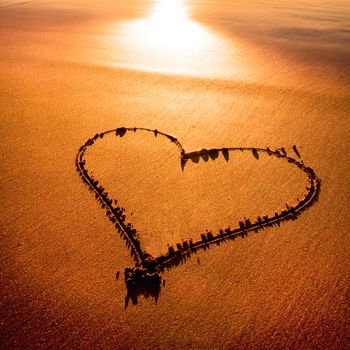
column 284, row 287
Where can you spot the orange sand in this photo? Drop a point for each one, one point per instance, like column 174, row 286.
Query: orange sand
column 285, row 287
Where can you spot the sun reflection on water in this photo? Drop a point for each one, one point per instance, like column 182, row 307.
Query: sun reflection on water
column 168, row 40
column 169, row 28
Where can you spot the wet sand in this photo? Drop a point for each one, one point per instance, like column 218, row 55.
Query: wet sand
column 285, row 287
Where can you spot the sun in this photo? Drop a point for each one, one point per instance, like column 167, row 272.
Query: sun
column 169, row 12
column 168, row 40
column 168, row 26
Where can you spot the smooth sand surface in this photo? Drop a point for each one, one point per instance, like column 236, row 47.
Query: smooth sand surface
column 62, row 81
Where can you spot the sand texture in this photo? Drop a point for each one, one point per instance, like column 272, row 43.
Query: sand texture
column 71, row 70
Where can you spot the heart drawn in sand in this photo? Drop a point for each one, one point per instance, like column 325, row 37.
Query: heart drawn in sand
column 145, row 277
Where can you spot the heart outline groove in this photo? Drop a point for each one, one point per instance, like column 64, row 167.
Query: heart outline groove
column 145, row 277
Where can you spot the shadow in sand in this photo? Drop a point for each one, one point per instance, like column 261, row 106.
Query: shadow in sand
column 144, row 279
column 226, row 154
column 296, row 151
column 213, row 154
column 194, row 156
column 204, row 154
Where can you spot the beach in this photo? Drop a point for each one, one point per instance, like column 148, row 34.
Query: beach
column 267, row 75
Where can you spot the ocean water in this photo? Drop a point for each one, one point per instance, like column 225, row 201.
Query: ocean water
column 256, row 42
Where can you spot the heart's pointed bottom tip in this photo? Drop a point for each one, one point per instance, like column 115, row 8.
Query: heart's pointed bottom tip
column 143, row 279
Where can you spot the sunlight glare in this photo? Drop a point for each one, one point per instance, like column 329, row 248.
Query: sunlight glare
column 168, row 40
column 168, row 28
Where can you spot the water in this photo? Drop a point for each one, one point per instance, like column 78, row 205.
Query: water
column 210, row 39
column 231, row 40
